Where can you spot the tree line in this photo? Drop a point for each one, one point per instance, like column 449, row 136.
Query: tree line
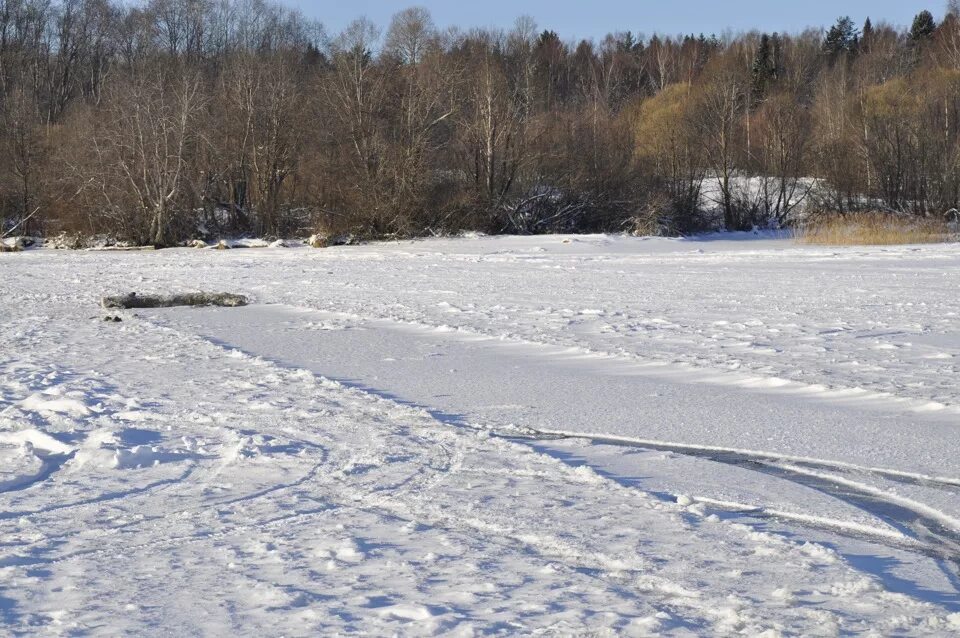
column 175, row 119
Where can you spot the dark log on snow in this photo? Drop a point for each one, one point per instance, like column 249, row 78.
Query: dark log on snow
column 133, row 300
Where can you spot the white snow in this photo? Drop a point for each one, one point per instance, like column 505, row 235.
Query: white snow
column 39, row 403
column 560, row 435
column 35, row 441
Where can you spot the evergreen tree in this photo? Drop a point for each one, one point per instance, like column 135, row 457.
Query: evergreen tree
column 841, row 38
column 704, row 47
column 626, row 43
column 867, row 36
column 548, row 39
column 923, row 27
column 764, row 69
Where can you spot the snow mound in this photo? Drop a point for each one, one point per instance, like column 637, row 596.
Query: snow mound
column 17, row 465
column 407, row 612
column 35, row 441
column 62, row 405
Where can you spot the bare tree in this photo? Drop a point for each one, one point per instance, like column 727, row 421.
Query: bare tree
column 276, row 140
column 157, row 119
column 668, row 151
column 354, row 94
column 24, row 147
column 143, row 148
column 410, row 34
column 782, row 132
column 718, row 119
column 493, row 126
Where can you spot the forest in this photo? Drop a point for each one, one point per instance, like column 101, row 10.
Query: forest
column 172, row 120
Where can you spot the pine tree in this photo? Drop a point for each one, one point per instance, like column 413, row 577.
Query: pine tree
column 923, row 27
column 704, row 47
column 841, row 38
column 548, row 39
column 626, row 43
column 867, row 36
column 764, row 69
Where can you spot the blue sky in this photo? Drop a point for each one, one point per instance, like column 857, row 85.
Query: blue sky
column 597, row 17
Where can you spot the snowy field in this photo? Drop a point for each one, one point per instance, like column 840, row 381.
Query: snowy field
column 490, row 436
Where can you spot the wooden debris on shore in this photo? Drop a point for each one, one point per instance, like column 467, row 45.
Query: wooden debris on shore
column 133, row 300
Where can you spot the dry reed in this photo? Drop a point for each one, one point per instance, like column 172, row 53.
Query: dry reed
column 874, row 229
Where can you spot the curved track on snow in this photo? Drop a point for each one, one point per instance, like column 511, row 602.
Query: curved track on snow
column 548, row 395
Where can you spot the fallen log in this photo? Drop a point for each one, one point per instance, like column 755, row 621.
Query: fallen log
column 120, row 249
column 133, row 300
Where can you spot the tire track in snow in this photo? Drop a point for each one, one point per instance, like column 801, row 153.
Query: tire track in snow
column 935, row 534
column 733, row 456
column 923, row 530
column 409, row 499
column 743, row 455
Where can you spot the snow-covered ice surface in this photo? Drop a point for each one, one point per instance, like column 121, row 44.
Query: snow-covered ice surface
column 484, row 436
